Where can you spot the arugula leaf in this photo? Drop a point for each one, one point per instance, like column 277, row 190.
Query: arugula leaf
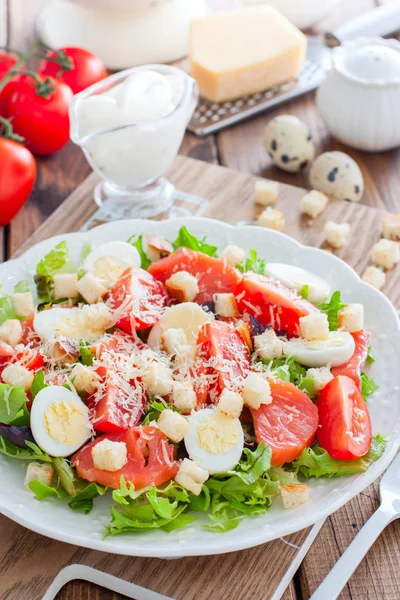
column 316, row 462
column 137, row 241
column 86, row 355
column 188, row 240
column 66, row 475
column 12, row 403
column 31, row 452
column 368, row 385
column 38, row 384
column 21, row 287
column 331, row 309
column 304, row 291
column 370, row 356
column 254, row 464
column 253, row 263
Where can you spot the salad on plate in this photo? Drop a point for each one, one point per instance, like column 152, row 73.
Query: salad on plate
column 180, row 382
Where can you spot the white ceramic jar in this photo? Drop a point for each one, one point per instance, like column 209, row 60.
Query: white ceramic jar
column 359, row 100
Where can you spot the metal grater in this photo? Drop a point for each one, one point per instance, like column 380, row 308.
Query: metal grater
column 210, row 117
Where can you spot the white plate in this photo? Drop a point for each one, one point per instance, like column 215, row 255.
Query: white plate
column 57, row 521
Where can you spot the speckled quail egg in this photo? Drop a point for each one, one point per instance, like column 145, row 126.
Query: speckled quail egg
column 338, row 176
column 289, row 144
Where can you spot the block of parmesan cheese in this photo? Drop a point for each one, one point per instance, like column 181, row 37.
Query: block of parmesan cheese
column 242, row 52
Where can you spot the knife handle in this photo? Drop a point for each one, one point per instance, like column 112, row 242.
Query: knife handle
column 377, row 22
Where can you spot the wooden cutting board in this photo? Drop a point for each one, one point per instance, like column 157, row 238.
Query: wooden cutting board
column 29, row 561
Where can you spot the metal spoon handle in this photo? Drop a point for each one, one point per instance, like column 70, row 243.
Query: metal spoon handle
column 351, row 558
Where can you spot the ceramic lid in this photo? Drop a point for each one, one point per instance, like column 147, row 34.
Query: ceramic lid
column 369, row 61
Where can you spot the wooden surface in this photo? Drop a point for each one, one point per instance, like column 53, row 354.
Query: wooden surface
column 240, row 148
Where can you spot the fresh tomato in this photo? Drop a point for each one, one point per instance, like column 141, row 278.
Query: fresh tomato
column 76, row 67
column 17, row 178
column 213, row 275
column 224, row 356
column 140, row 297
column 288, row 424
column 119, row 408
column 7, row 62
column 31, row 359
column 150, row 459
column 41, row 117
column 272, row 303
column 29, row 335
column 344, row 424
column 353, row 367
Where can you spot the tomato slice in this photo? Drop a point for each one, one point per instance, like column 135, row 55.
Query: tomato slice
column 119, row 407
column 288, row 424
column 150, row 459
column 344, row 424
column 213, row 275
column 272, row 303
column 353, row 367
column 223, row 356
column 140, row 297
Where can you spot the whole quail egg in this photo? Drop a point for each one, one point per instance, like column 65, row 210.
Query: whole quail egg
column 338, row 176
column 289, row 144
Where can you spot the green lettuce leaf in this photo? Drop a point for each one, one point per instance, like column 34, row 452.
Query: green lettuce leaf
column 13, row 409
column 38, row 384
column 137, row 241
column 253, row 464
column 21, row 287
column 55, row 261
column 66, row 475
column 6, row 308
column 368, row 385
column 253, row 263
column 155, row 409
column 31, row 452
column 316, row 462
column 304, row 291
column 86, row 356
column 331, row 309
column 370, row 356
column 188, row 240
column 82, row 502
column 288, row 369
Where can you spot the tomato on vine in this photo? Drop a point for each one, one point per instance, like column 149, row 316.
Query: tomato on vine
column 76, row 67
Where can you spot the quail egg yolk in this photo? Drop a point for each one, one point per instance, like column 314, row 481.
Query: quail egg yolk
column 217, row 434
column 108, row 268
column 65, row 423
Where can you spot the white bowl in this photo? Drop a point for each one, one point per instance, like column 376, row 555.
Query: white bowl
column 54, row 519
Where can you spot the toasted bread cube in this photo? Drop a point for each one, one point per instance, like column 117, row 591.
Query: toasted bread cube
column 97, row 317
column 294, row 494
column 91, row 289
column 191, row 476
column 23, row 304
column 272, row 218
column 182, row 286
column 256, row 391
column 351, row 318
column 391, row 226
column 42, row 472
column 233, row 255
column 313, row 203
column 18, row 375
column 314, row 326
column 65, row 285
column 266, row 192
column 84, row 379
column 183, row 396
column 230, row 404
column 321, row 377
column 245, row 333
column 11, row 332
column 385, row 253
column 374, row 276
column 268, row 345
column 173, row 425
column 337, row 234
column 109, row 456
column 157, row 379
column 226, row 305
column 173, row 339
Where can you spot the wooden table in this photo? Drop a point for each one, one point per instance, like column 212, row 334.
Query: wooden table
column 240, row 148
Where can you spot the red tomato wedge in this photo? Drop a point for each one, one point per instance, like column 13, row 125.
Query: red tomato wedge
column 118, row 408
column 140, row 298
column 288, row 424
column 344, row 424
column 213, row 275
column 353, row 367
column 272, row 303
column 224, row 356
column 150, row 459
